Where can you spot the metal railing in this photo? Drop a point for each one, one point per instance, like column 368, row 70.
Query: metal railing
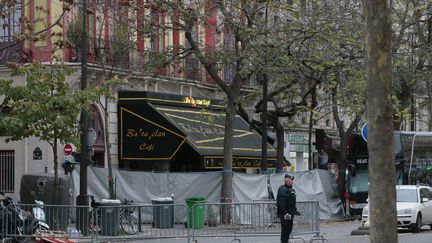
column 157, row 221
column 252, row 219
column 7, row 170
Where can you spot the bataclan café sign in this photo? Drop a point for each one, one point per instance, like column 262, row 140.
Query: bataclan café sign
column 155, row 126
column 145, row 139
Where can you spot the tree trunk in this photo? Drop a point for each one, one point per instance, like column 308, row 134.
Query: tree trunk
column 429, row 94
column 280, row 134
column 264, row 124
column 382, row 172
column 342, row 177
column 310, row 162
column 226, row 190
column 311, row 123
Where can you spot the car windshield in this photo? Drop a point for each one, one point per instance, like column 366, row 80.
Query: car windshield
column 406, row 195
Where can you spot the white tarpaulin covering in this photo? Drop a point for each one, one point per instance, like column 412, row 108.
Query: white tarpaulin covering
column 142, row 187
column 247, row 188
column 315, row 185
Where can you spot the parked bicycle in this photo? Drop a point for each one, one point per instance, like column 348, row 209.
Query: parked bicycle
column 94, row 215
column 128, row 221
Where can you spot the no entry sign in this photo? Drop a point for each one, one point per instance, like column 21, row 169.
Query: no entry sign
column 67, row 150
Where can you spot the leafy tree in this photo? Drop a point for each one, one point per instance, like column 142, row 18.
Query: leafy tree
column 46, row 107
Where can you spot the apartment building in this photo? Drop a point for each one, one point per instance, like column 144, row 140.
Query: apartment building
column 49, row 31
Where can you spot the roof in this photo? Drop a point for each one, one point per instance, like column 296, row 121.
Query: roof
column 406, row 187
column 411, row 186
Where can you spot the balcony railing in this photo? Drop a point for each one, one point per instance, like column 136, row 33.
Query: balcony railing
column 10, row 48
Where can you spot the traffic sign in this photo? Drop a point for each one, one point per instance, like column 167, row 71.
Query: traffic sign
column 67, row 150
column 364, row 132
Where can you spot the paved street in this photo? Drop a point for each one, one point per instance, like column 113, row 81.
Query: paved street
column 335, row 232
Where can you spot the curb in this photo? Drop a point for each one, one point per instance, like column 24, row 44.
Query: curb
column 362, row 230
column 350, row 218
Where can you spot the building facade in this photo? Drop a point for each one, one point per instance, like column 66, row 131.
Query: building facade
column 116, row 46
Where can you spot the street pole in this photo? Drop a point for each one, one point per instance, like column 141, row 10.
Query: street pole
column 83, row 198
column 264, row 112
column 264, row 124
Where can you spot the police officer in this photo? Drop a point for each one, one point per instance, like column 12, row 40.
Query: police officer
column 286, row 207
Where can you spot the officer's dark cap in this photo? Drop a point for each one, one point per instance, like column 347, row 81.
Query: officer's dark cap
column 288, row 176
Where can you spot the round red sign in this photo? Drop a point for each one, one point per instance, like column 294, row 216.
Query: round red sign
column 67, row 150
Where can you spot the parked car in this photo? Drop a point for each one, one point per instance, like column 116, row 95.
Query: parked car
column 414, row 207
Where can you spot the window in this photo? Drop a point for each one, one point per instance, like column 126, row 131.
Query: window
column 424, row 193
column 304, row 120
column 406, row 195
column 11, row 22
column 99, row 146
column 192, row 64
column 359, row 182
column 430, row 194
column 10, row 27
column 229, row 70
column 156, row 35
column 7, row 168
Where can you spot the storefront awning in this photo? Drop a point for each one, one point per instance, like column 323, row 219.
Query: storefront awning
column 154, row 131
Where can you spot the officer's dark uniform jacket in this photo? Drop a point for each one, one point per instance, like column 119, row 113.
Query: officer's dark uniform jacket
column 286, row 201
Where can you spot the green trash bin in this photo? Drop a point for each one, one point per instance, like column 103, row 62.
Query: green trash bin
column 196, row 214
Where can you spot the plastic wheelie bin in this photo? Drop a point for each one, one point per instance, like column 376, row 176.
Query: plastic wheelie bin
column 163, row 212
column 110, row 217
column 196, row 213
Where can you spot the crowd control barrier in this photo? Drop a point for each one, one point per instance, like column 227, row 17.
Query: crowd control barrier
column 112, row 221
column 255, row 219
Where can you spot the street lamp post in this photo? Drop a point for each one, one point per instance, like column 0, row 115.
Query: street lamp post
column 83, row 198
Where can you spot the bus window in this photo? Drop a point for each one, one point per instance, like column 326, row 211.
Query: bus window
column 359, row 183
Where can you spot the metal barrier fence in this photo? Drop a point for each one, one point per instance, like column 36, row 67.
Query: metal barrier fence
column 103, row 223
column 155, row 221
column 252, row 219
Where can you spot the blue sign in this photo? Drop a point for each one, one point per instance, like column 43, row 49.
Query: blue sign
column 364, row 132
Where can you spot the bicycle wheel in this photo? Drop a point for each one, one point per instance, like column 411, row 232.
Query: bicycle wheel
column 94, row 224
column 129, row 224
